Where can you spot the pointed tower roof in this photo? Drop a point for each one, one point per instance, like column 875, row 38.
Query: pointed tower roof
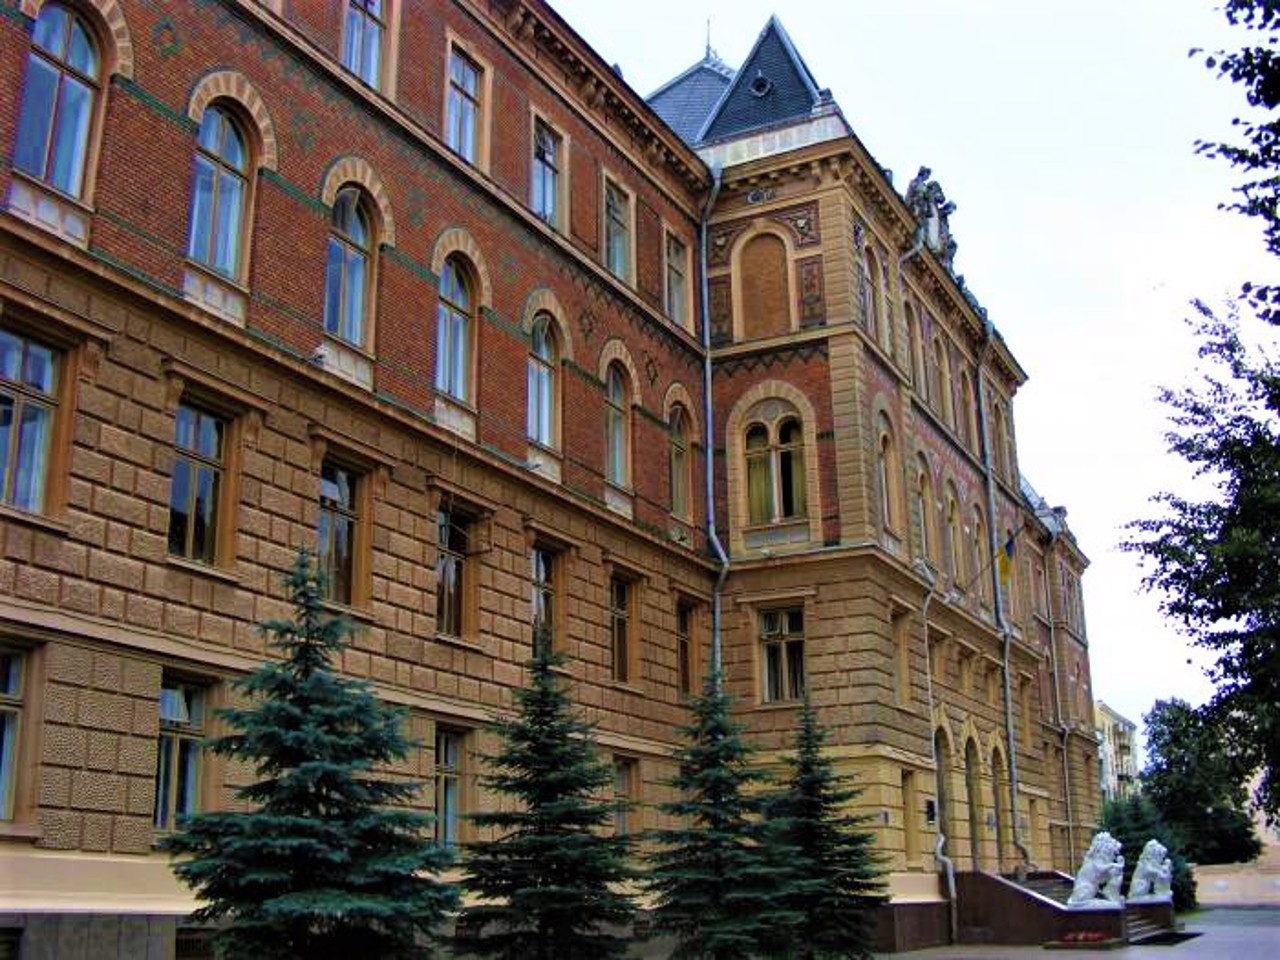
column 686, row 101
column 773, row 86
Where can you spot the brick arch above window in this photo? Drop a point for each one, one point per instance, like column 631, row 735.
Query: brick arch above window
column 111, row 17
column 357, row 170
column 542, row 301
column 678, row 393
column 236, row 87
column 457, row 240
column 735, row 444
column 616, row 351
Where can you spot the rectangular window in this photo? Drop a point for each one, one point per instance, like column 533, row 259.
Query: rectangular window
column 620, row 628
column 196, row 486
column 11, row 683
column 547, row 160
column 624, row 794
column 451, row 566
column 366, row 22
column 782, row 654
column 182, row 710
column 449, row 758
column 543, row 575
column 462, row 120
column 685, row 655
column 338, row 533
column 677, row 286
column 617, row 230
column 28, row 404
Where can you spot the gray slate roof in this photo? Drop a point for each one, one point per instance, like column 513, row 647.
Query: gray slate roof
column 686, row 101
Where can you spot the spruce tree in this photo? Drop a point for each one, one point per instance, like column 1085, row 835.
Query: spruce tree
column 328, row 861
column 548, row 886
column 716, row 888
column 834, row 873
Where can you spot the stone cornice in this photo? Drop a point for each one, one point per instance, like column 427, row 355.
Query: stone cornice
column 532, row 23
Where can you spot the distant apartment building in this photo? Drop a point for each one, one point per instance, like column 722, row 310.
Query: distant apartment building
column 1117, row 753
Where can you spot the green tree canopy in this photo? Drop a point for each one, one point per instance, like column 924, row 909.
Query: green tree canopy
column 549, row 885
column 328, row 862
column 1196, row 787
column 1216, row 562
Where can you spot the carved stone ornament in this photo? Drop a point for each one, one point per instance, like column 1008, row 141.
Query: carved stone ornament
column 1153, row 875
column 932, row 212
column 1100, row 875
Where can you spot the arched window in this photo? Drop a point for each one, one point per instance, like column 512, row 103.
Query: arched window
column 617, row 426
column 544, row 356
column 453, row 330
column 981, row 556
column 955, row 544
column 776, row 489
column 363, row 27
column 348, row 268
column 967, row 420
column 678, row 456
column 219, row 194
column 942, row 380
column 58, row 101
column 871, row 293
column 922, row 510
column 766, row 287
column 887, row 474
column 913, row 347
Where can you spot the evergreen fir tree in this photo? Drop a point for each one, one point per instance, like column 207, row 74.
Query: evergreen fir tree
column 328, row 862
column 834, row 883
column 716, row 887
column 548, row 886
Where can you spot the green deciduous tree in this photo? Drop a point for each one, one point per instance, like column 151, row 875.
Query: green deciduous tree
column 1196, row 787
column 716, row 887
column 1216, row 562
column 1135, row 820
column 328, row 862
column 834, row 880
column 549, row 885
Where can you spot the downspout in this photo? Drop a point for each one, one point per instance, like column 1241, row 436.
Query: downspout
column 1057, row 708
column 1002, row 624
column 940, row 840
column 709, row 423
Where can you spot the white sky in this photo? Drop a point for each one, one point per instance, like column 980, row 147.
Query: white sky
column 1064, row 131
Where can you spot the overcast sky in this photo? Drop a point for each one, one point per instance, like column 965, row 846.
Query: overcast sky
column 1064, row 131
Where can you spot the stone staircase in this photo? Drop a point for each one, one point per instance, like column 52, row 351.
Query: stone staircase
column 1051, row 886
column 1142, row 927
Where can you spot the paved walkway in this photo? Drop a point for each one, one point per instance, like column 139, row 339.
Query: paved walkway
column 1225, row 935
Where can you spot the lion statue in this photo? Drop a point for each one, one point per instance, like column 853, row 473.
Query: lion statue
column 1100, row 875
column 1153, row 875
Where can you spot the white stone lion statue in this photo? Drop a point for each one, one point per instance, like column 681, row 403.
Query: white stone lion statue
column 1100, row 875
column 1153, row 875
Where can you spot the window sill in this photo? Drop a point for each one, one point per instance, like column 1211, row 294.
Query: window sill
column 456, row 416
column 211, row 291
column 203, row 570
column 346, row 360
column 543, row 460
column 775, row 705
column 625, row 686
column 461, row 643
column 356, row 614
column 40, row 204
column 619, row 499
column 58, row 527
column 20, row 832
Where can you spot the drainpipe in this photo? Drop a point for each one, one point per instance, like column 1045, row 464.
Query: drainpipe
column 998, row 605
column 1057, row 707
column 709, row 423
column 940, row 841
